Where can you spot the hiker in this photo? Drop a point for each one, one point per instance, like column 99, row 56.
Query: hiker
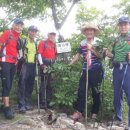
column 90, row 44
column 121, row 70
column 28, row 70
column 46, row 57
column 10, row 44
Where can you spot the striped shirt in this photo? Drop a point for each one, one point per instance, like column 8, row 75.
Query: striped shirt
column 93, row 59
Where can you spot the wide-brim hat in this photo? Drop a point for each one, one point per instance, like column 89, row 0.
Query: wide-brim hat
column 90, row 26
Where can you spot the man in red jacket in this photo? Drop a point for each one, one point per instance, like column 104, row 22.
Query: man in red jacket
column 46, row 57
column 9, row 48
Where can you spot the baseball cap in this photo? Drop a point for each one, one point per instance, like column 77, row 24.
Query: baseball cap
column 52, row 31
column 123, row 19
column 18, row 21
column 32, row 28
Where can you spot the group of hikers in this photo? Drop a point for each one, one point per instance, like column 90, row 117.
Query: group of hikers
column 13, row 51
column 23, row 55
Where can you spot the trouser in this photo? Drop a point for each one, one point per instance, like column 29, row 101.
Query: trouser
column 7, row 75
column 45, row 90
column 118, row 75
column 26, row 83
column 94, row 78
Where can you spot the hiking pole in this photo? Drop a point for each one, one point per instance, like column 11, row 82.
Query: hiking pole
column 45, row 80
column 45, row 90
column 38, row 101
column 122, row 83
column 88, row 62
column 102, row 85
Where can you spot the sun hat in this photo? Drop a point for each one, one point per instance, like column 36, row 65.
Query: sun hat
column 90, row 26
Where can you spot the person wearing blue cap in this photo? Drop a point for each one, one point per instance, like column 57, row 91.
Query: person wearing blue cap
column 9, row 51
column 27, row 73
column 121, row 68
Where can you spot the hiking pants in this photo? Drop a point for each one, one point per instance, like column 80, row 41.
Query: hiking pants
column 7, row 74
column 94, row 78
column 26, row 83
column 118, row 75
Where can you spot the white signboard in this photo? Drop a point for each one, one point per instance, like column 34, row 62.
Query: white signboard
column 63, row 47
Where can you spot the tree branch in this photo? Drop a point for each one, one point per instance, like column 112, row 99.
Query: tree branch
column 53, row 8
column 66, row 16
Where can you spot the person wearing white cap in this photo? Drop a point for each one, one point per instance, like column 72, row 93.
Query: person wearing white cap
column 46, row 56
column 88, row 46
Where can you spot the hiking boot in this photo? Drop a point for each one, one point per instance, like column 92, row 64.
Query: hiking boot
column 119, row 123
column 29, row 107
column 8, row 113
column 42, row 106
column 77, row 116
column 22, row 110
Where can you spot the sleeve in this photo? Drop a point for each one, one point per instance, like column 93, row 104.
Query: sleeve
column 40, row 47
column 40, row 59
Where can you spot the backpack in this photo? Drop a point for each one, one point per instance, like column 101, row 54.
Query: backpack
column 113, row 49
column 6, row 43
column 22, row 60
column 46, row 46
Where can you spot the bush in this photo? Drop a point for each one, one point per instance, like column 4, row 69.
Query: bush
column 65, row 84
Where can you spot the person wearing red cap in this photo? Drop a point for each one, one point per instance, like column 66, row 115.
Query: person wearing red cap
column 27, row 73
column 9, row 51
column 46, row 57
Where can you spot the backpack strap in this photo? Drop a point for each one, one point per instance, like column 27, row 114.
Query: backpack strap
column 46, row 45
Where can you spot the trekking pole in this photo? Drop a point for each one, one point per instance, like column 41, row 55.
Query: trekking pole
column 45, row 80
column 37, row 75
column 102, row 85
column 88, row 60
column 122, row 83
column 45, row 90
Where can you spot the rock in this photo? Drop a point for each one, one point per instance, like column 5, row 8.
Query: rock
column 101, row 128
column 27, row 121
column 65, row 123
column 114, row 127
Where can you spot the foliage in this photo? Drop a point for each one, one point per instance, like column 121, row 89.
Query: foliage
column 123, row 7
column 85, row 14
column 65, row 83
column 28, row 9
column 65, row 77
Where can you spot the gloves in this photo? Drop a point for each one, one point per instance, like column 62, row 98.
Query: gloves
column 21, row 60
column 42, row 66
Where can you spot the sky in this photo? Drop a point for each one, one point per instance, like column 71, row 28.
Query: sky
column 70, row 26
